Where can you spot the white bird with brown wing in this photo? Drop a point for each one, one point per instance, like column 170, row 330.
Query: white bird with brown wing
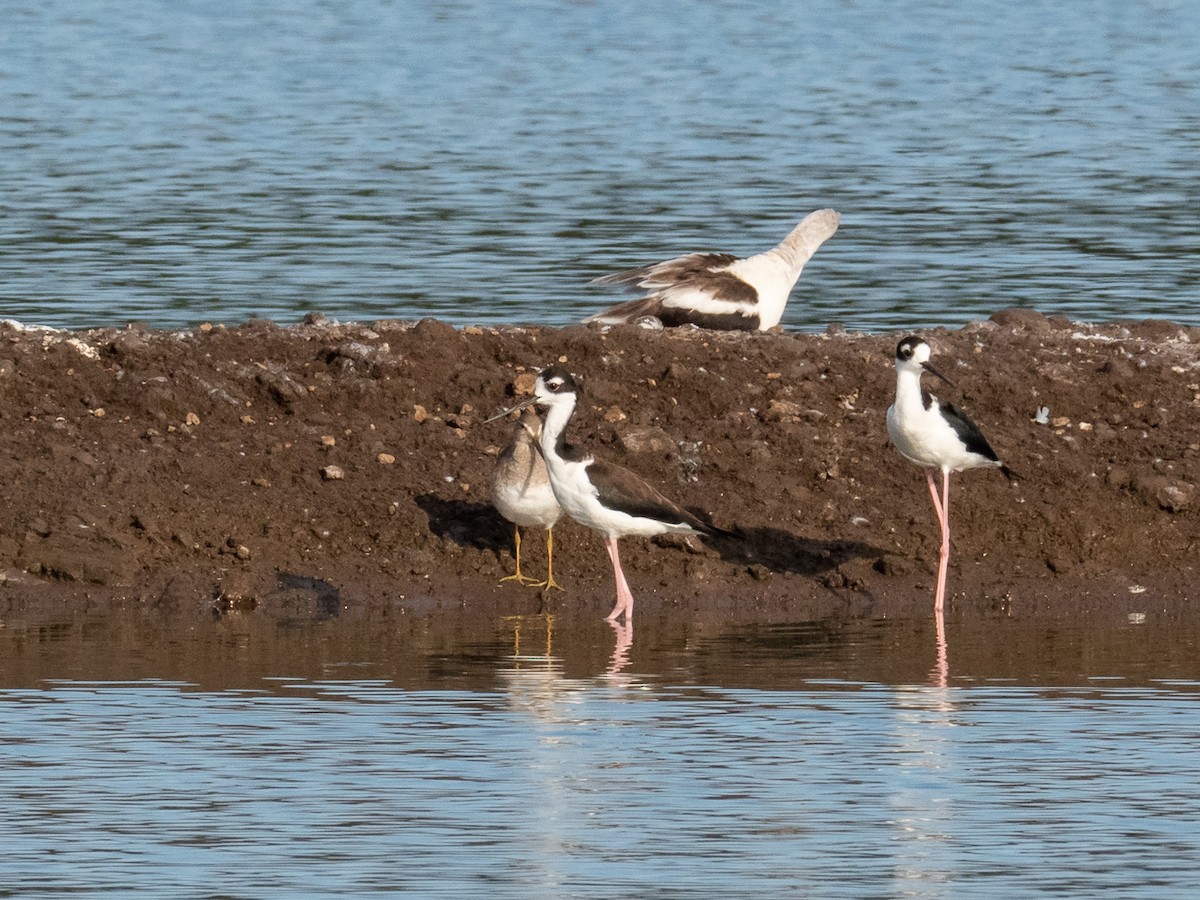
column 718, row 290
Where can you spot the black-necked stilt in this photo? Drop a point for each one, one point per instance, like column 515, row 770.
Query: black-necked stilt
column 934, row 435
column 521, row 493
column 718, row 290
column 605, row 497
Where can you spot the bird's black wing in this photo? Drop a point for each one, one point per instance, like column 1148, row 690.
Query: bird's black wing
column 968, row 432
column 620, row 489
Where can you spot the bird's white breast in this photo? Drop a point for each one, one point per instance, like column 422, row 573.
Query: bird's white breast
column 576, row 495
column 922, row 436
column 581, row 501
column 526, row 501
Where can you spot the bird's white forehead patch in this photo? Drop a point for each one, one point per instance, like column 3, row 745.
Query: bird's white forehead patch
column 913, row 348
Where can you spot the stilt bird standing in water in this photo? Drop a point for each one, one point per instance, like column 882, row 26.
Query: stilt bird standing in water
column 934, row 435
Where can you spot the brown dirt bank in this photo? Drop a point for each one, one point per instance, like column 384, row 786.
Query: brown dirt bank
column 319, row 468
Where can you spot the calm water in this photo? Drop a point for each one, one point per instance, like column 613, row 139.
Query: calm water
column 189, row 161
column 238, row 758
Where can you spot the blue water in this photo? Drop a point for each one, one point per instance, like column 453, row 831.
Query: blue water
column 190, row 161
column 1046, row 761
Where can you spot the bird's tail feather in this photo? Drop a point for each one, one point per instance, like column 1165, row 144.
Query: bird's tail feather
column 626, row 312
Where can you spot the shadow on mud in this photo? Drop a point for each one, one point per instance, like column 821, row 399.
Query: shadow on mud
column 781, row 551
column 467, row 523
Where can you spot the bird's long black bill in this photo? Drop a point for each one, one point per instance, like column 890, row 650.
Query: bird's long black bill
column 932, row 371
column 512, row 409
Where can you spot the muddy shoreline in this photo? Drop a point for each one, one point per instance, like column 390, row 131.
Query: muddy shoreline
column 321, row 470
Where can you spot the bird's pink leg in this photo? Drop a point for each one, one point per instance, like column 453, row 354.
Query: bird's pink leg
column 937, row 501
column 624, row 595
column 941, row 506
column 944, row 557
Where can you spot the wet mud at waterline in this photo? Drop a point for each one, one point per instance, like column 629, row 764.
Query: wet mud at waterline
column 320, row 470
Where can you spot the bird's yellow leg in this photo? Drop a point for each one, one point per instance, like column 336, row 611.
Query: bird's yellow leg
column 549, row 582
column 518, row 577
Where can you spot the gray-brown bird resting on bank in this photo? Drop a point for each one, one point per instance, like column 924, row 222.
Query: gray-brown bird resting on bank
column 521, row 493
column 718, row 290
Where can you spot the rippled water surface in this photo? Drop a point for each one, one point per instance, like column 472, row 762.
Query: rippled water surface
column 560, row 759
column 191, row 161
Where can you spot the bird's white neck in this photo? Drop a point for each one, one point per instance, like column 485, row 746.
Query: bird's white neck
column 555, row 423
column 794, row 249
column 908, row 389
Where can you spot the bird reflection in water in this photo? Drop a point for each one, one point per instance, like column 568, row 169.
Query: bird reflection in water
column 618, row 661
column 620, row 655
column 518, row 621
column 939, row 675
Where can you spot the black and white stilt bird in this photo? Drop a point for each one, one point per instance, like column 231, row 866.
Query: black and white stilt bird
column 718, row 290
column 607, row 498
column 521, row 493
column 934, row 435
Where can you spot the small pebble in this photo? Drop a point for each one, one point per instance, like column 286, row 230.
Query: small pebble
column 332, row 473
